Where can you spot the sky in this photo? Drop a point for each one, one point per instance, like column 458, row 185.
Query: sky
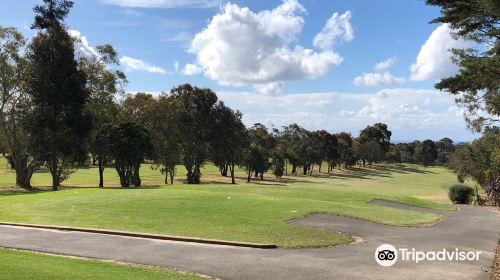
column 338, row 65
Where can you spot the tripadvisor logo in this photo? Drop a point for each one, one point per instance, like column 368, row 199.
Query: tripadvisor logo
column 387, row 255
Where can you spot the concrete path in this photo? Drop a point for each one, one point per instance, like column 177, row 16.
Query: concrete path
column 469, row 229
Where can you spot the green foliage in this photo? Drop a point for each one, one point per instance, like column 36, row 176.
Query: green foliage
column 13, row 106
column 477, row 85
column 228, row 139
column 480, row 161
column 377, row 133
column 460, row 193
column 51, row 14
column 57, row 121
column 165, row 135
column 128, row 144
column 426, row 153
column 259, row 151
column 346, row 150
column 194, row 106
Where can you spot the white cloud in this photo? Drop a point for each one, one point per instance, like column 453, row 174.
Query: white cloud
column 240, row 47
column 82, row 45
column 378, row 79
column 133, row 64
column 164, row 3
column 176, row 66
column 191, row 69
column 406, row 111
column 434, row 59
column 384, row 65
column 337, row 26
column 181, row 37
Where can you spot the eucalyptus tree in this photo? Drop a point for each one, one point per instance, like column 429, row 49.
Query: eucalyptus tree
column 228, row 139
column 194, row 106
column 165, row 136
column 259, row 151
column 128, row 144
column 57, row 121
column 426, row 153
column 104, row 84
column 14, row 102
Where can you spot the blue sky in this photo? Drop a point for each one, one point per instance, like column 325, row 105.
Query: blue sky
column 338, row 65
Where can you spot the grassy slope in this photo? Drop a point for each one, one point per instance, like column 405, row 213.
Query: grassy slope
column 245, row 212
column 18, row 265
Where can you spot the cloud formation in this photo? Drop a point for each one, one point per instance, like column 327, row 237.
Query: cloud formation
column 410, row 113
column 133, row 64
column 82, row 45
column 164, row 3
column 384, row 65
column 434, row 59
column 337, row 26
column 378, row 79
column 240, row 47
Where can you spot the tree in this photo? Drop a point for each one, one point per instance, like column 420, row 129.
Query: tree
column 377, row 133
column 165, row 135
column 259, row 151
column 369, row 151
column 13, row 105
column 477, row 85
column 228, row 139
column 103, row 84
column 329, row 149
column 394, row 155
column 278, row 158
column 426, row 153
column 480, row 161
column 445, row 149
column 345, row 149
column 194, row 106
column 57, row 90
column 128, row 144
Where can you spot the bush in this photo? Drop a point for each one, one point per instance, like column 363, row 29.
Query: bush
column 460, row 193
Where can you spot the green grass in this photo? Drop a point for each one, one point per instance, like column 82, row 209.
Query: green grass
column 255, row 212
column 19, row 265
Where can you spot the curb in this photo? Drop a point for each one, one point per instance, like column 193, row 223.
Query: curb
column 147, row 235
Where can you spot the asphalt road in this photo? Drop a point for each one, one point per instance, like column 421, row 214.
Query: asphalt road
column 469, row 229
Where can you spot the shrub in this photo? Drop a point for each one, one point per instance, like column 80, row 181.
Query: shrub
column 460, row 193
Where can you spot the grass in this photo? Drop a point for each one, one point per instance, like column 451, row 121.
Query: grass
column 255, row 212
column 20, row 265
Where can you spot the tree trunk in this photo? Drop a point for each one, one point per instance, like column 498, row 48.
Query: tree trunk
column 231, row 169
column 55, row 175
column 249, row 176
column 23, row 177
column 319, row 168
column 262, row 176
column 166, row 177
column 172, row 173
column 101, row 172
column 305, row 170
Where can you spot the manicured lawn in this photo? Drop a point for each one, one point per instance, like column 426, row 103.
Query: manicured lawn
column 255, row 212
column 18, row 265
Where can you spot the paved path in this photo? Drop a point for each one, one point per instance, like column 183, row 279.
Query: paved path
column 469, row 229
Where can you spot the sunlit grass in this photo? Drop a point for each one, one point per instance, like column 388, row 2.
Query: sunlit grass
column 255, row 212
